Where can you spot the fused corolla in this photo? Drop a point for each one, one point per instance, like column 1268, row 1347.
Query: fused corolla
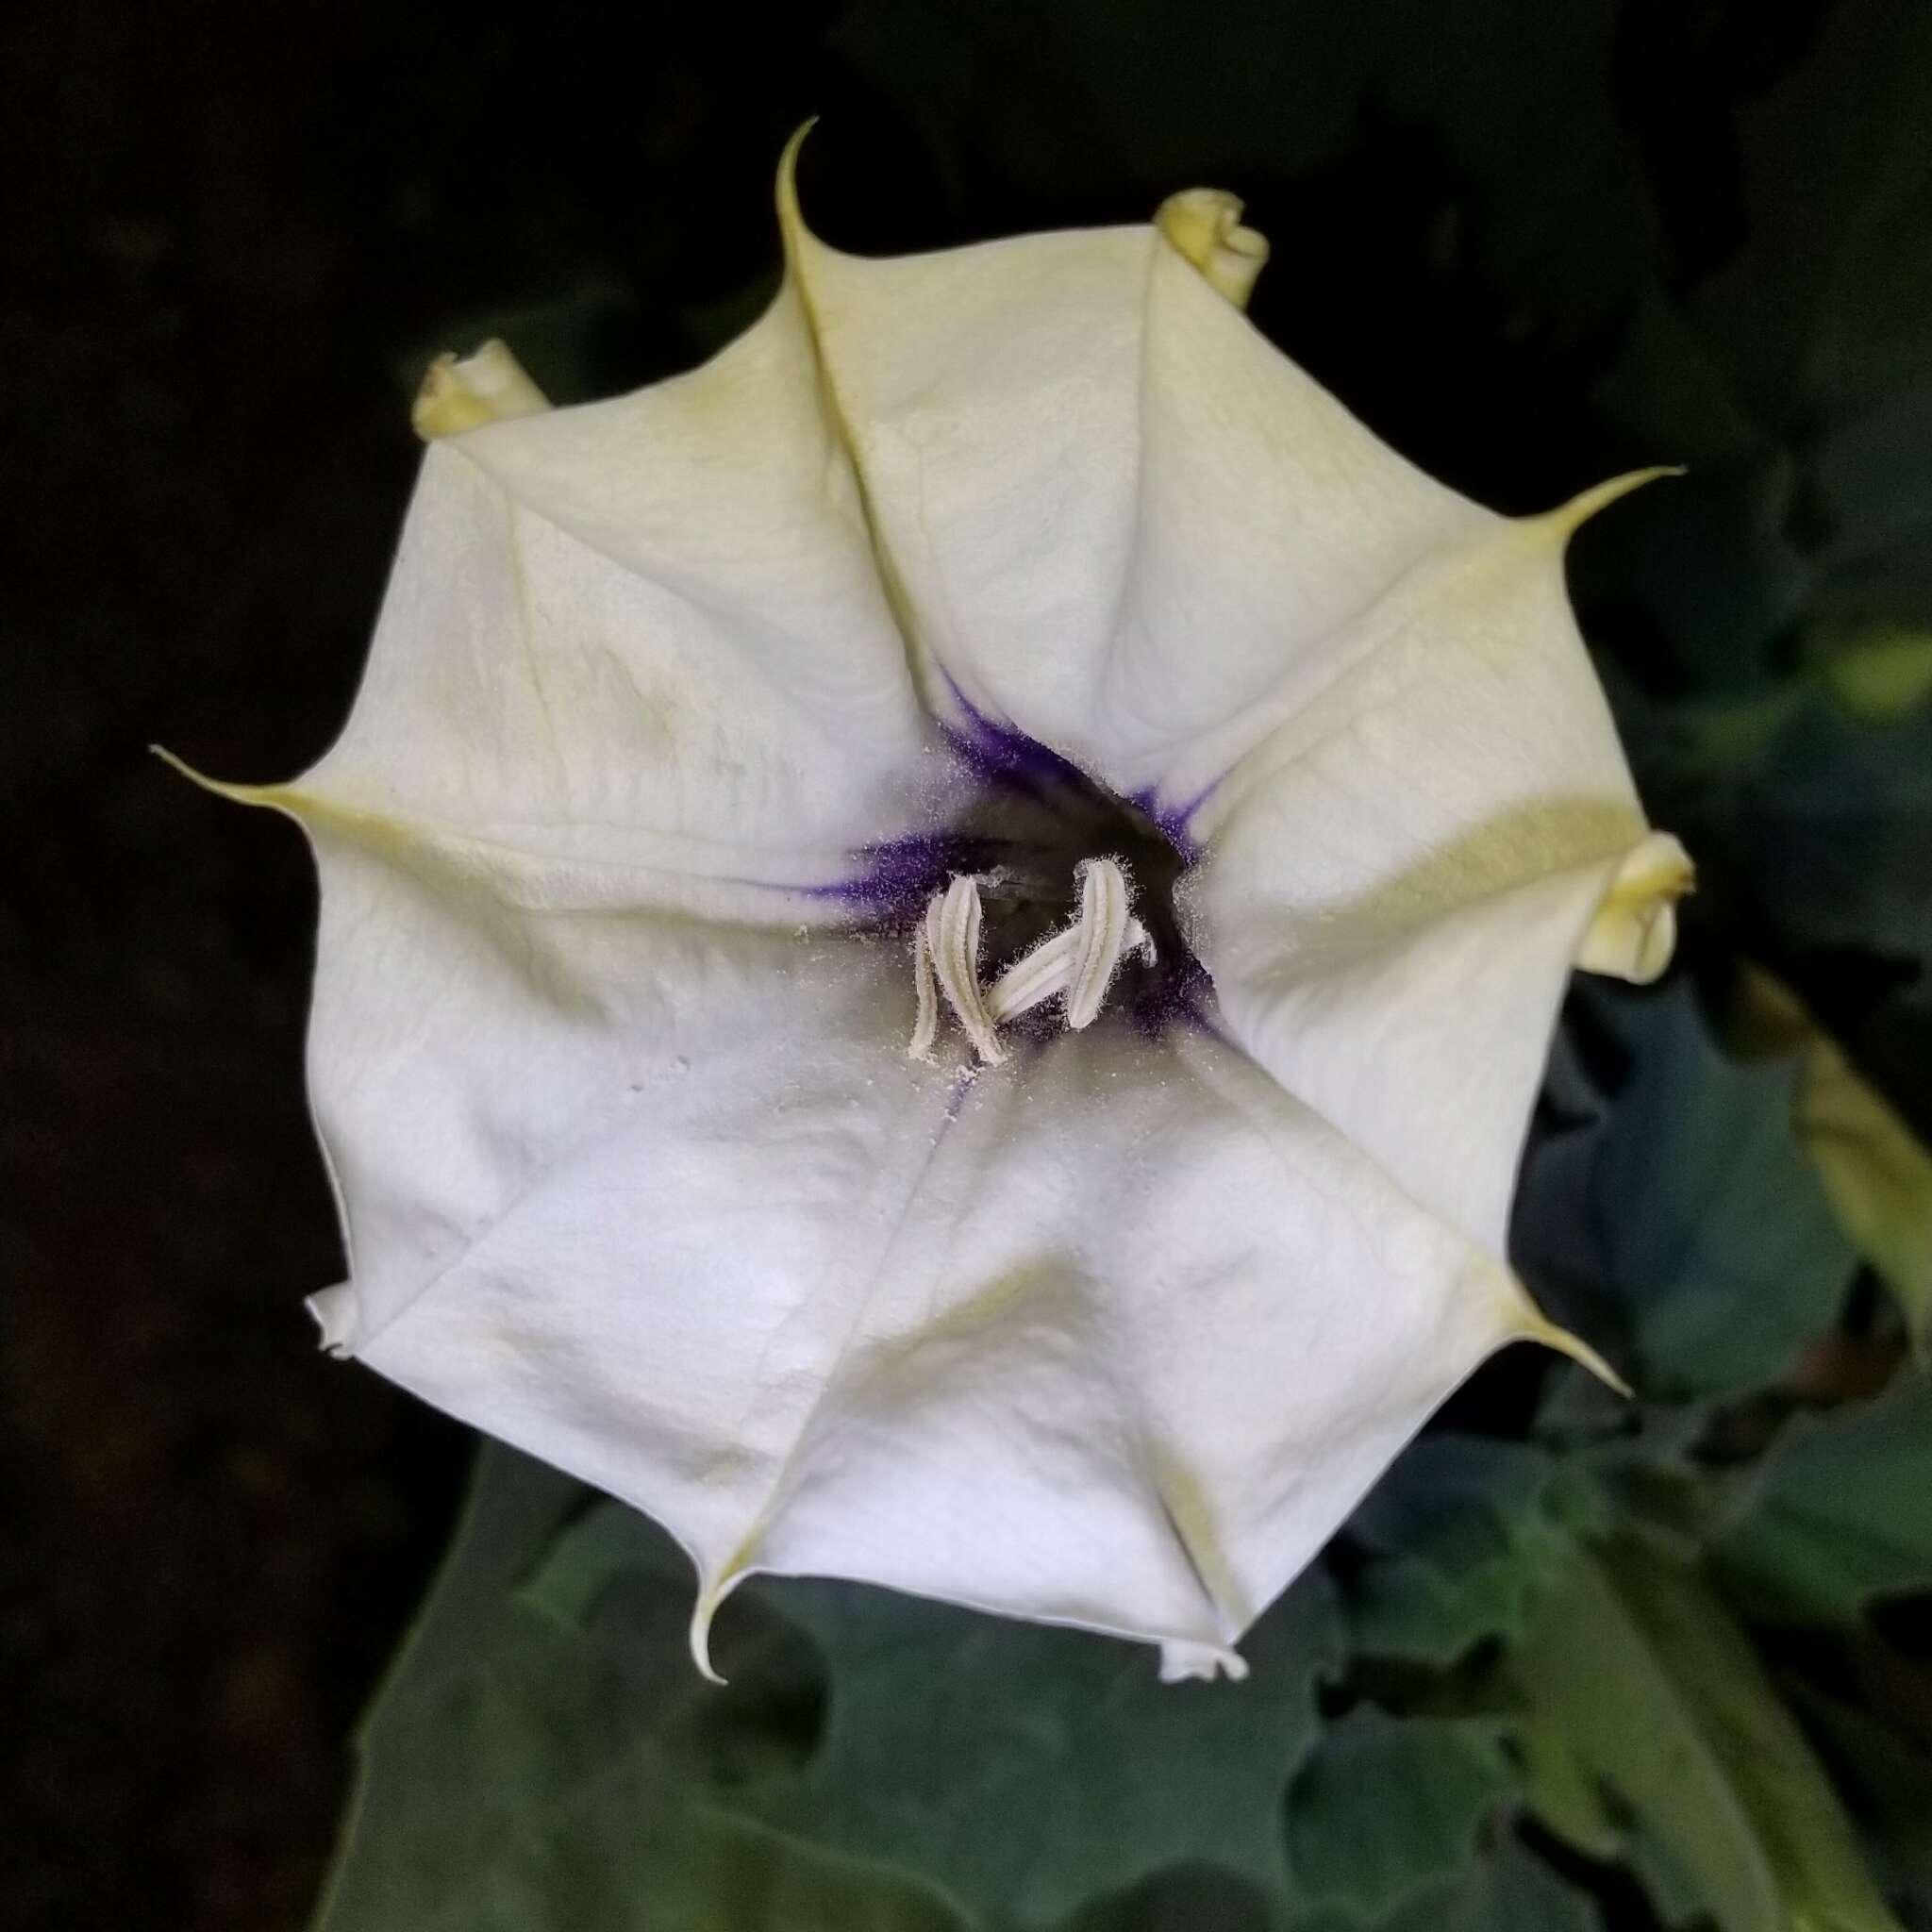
column 937, row 938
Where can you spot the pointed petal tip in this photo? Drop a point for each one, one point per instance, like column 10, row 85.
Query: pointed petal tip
column 238, row 794
column 1203, row 225
column 791, row 228
column 461, row 392
column 336, row 1314
column 1532, row 1324
column 1633, row 931
column 1186, row 1659
column 701, row 1638
column 1568, row 518
column 711, row 1595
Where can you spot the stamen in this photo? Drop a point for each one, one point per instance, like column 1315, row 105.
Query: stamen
column 1047, row 970
column 952, row 936
column 926, row 1026
column 1103, row 935
column 1034, row 978
column 1076, row 963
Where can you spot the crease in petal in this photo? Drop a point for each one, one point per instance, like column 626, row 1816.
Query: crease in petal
column 655, row 619
column 1405, row 863
column 1214, row 1271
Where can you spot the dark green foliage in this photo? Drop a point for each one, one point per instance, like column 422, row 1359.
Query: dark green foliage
column 1838, row 1513
column 1027, row 1768
column 1641, row 1672
column 1671, row 1212
column 1389, row 1809
column 1465, row 1532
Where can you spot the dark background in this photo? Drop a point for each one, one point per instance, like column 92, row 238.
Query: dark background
column 233, row 237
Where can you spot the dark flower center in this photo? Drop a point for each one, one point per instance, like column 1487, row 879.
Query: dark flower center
column 1034, row 818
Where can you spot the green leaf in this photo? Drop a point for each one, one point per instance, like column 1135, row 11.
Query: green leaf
column 545, row 1754
column 1838, row 1512
column 1025, row 1770
column 1675, row 1218
column 521, row 1774
column 1186, row 1898
column 1561, row 1790
column 1510, row 1891
column 1878, row 1175
column 1463, row 1533
column 1663, row 1699
column 1388, row 1807
column 1673, row 1894
column 1884, row 1775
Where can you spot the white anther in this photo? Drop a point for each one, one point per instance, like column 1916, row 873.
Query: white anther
column 1076, row 964
column 926, row 1025
column 1046, row 971
column 952, row 938
column 1102, row 936
column 1033, row 978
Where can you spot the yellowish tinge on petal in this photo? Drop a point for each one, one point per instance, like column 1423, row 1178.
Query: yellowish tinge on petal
column 1204, row 224
column 1532, row 1324
column 274, row 796
column 1568, row 518
column 310, row 810
column 462, row 393
column 1635, row 930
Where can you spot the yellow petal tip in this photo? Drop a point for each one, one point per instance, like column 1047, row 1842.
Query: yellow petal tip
column 790, row 218
column 1567, row 519
column 1633, row 931
column 461, row 392
column 1204, row 226
column 1533, row 1326
column 239, row 795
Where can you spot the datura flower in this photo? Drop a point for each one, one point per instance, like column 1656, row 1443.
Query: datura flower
column 937, row 938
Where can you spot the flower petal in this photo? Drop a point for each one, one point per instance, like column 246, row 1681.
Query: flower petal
column 1405, row 864
column 1117, row 517
column 1115, row 1341
column 644, row 635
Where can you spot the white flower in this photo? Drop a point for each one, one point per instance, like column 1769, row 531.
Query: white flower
column 987, row 640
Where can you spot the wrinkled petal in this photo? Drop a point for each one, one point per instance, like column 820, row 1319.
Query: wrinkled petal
column 1117, row 516
column 1116, row 1344
column 647, row 635
column 1402, row 869
column 1123, row 520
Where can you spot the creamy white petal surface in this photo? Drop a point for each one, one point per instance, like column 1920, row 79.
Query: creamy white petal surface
column 609, row 1042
